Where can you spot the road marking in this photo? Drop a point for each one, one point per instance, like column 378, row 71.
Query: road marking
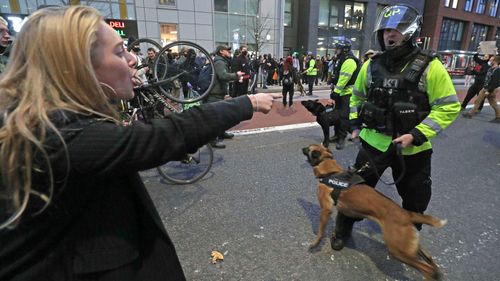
column 298, row 126
column 275, row 128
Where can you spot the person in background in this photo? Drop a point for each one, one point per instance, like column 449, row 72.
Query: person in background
column 220, row 90
column 78, row 209
column 489, row 91
column 149, row 61
column 310, row 71
column 479, row 72
column 296, row 62
column 345, row 73
column 289, row 75
column 5, row 43
column 397, row 132
column 241, row 64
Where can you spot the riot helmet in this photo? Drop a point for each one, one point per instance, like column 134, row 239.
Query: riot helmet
column 343, row 45
column 402, row 18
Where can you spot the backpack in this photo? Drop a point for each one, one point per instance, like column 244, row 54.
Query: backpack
column 288, row 78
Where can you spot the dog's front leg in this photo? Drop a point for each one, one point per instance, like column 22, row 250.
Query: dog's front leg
column 326, row 133
column 326, row 205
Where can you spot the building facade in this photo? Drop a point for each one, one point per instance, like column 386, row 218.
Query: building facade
column 314, row 25
column 257, row 23
column 461, row 24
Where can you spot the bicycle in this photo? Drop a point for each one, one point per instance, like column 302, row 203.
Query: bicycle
column 172, row 88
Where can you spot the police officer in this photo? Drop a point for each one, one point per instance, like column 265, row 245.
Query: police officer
column 405, row 98
column 344, row 74
column 311, row 72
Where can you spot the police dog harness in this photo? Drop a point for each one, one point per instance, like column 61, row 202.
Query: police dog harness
column 341, row 181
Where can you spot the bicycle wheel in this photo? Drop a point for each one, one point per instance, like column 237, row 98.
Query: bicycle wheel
column 145, row 45
column 184, row 72
column 189, row 170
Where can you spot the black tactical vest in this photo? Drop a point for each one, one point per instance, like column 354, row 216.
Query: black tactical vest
column 395, row 103
column 338, row 65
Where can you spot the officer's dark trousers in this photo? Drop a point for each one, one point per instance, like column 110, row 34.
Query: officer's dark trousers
column 310, row 82
column 473, row 91
column 342, row 104
column 415, row 186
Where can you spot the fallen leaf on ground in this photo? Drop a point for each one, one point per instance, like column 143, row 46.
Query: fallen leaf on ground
column 216, row 256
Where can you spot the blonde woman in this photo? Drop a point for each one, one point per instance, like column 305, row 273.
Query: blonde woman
column 72, row 204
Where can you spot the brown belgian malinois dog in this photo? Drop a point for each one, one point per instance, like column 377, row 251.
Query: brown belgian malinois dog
column 363, row 201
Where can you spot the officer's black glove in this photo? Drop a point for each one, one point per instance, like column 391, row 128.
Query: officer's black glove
column 418, row 137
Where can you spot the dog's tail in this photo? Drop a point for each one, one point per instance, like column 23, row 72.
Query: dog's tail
column 427, row 219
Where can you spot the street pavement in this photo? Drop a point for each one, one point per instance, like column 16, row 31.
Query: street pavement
column 258, row 207
column 283, row 118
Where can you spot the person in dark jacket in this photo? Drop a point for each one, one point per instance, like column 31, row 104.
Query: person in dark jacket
column 479, row 77
column 220, row 91
column 72, row 203
column 489, row 91
column 289, row 78
column 241, row 64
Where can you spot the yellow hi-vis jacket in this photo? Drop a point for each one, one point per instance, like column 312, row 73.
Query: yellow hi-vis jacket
column 347, row 69
column 443, row 102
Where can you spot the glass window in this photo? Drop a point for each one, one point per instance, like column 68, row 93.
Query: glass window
column 334, row 16
column 455, row 3
column 479, row 32
column 131, row 11
column 250, row 37
column 481, row 5
column 220, row 5
column 451, row 35
column 237, row 6
column 323, row 13
column 492, row 11
column 167, row 2
column 447, row 3
column 253, row 7
column 497, row 37
column 359, row 13
column 468, row 5
column 348, row 16
column 222, row 28
column 237, row 29
column 168, row 33
column 104, row 8
column 287, row 21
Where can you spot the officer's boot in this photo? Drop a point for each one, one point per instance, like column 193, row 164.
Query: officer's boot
column 342, row 232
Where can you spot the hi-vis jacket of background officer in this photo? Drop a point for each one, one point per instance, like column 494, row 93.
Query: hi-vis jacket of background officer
column 443, row 102
column 345, row 75
column 312, row 70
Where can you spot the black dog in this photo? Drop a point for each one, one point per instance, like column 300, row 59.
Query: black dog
column 326, row 116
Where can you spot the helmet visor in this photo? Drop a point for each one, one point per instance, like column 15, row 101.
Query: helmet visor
column 401, row 18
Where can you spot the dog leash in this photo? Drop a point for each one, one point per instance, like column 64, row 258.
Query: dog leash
column 371, row 162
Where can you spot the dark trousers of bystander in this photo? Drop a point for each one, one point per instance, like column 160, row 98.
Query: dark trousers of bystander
column 287, row 90
column 471, row 93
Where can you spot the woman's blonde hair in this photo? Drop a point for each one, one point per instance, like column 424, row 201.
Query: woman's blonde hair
column 51, row 68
